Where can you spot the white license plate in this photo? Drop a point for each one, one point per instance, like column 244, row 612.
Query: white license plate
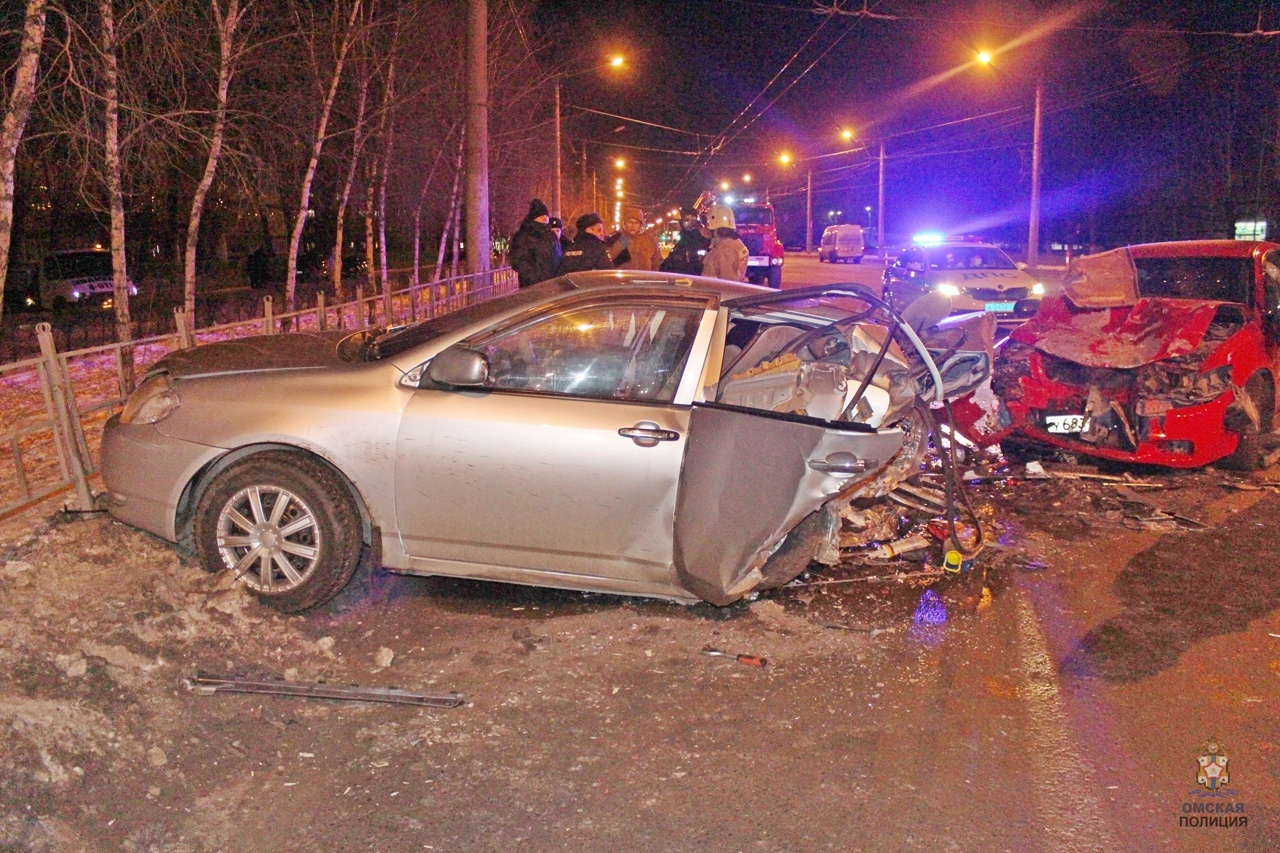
column 758, row 261
column 1066, row 423
column 1001, row 307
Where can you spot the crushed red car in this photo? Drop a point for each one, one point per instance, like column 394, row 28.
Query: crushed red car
column 1162, row 354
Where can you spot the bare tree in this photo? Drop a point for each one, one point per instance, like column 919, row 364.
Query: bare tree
column 21, row 95
column 346, row 37
column 229, row 50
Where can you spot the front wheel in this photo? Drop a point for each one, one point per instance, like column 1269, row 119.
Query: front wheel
column 285, row 524
column 1249, row 418
column 857, row 259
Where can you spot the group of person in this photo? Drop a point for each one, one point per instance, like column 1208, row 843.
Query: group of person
column 539, row 249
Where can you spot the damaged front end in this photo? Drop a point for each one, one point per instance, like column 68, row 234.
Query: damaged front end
column 820, row 388
column 1146, row 381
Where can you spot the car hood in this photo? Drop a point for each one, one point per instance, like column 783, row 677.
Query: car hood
column 1124, row 337
column 263, row 352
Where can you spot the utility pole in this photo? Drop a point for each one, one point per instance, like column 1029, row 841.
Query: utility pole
column 880, row 207
column 1033, row 238
column 808, row 212
column 479, row 246
column 555, row 199
column 582, row 196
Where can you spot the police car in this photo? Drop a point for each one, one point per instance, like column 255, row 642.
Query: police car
column 977, row 276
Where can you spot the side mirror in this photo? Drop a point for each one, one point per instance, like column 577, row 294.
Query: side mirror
column 929, row 310
column 459, row 367
column 1022, row 265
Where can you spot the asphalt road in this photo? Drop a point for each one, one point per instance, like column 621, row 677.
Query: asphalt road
column 1062, row 704
column 801, row 270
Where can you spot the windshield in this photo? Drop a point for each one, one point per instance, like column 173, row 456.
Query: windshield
column 1215, row 279
column 970, row 258
column 753, row 216
column 78, row 265
column 405, row 338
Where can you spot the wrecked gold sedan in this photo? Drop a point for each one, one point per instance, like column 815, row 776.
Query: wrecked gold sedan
column 632, row 433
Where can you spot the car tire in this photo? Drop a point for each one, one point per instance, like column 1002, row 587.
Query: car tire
column 775, row 278
column 311, row 544
column 820, row 257
column 857, row 259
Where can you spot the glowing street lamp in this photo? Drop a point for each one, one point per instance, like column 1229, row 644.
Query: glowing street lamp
column 620, row 163
column 724, row 186
column 984, row 57
column 846, row 135
column 617, row 61
column 784, row 158
column 746, row 179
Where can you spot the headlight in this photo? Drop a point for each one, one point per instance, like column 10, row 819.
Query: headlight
column 152, row 402
column 1037, row 289
column 948, row 289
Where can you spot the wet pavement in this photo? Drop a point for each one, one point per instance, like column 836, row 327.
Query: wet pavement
column 1082, row 669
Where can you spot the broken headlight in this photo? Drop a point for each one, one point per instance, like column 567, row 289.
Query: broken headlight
column 1167, row 385
column 151, row 402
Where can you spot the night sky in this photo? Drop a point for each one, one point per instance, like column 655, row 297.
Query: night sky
column 1158, row 120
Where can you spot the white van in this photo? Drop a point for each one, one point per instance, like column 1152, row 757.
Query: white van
column 841, row 243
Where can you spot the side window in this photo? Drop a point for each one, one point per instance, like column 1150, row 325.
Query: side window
column 1271, row 282
column 615, row 351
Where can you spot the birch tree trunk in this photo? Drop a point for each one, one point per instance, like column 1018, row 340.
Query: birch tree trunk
column 417, row 212
column 387, row 133
column 357, row 145
column 453, row 205
column 15, row 120
column 115, row 186
column 322, row 126
column 227, row 25
column 370, row 270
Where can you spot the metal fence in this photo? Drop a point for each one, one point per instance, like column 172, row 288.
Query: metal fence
column 53, row 407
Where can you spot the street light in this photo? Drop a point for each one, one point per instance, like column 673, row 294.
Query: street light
column 620, row 163
column 724, row 186
column 846, row 135
column 616, row 61
column 746, row 179
column 984, row 57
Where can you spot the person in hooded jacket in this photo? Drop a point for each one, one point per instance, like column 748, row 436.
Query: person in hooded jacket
column 641, row 244
column 691, row 245
column 533, row 247
column 588, row 250
column 727, row 256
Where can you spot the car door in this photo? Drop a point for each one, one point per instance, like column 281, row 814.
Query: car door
column 751, row 476
column 566, row 461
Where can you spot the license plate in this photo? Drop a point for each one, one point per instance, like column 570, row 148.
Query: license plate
column 758, row 261
column 1001, row 307
column 1066, row 423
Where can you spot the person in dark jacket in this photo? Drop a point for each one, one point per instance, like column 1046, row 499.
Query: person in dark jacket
column 532, row 254
column 691, row 245
column 588, row 250
column 562, row 242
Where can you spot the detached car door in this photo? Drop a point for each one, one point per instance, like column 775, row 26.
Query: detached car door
column 753, row 479
column 564, row 464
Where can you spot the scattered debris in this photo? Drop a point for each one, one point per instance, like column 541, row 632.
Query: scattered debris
column 1152, row 515
column 890, row 550
column 749, row 660
column 207, row 685
column 898, row 576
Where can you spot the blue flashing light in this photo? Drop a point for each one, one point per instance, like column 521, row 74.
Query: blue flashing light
column 728, row 199
column 928, row 238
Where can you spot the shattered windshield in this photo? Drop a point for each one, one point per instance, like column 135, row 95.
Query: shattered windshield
column 1213, row 279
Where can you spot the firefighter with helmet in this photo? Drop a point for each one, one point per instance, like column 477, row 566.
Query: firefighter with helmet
column 727, row 256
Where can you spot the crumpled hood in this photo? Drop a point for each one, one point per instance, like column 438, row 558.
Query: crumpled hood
column 261, row 352
column 1123, row 337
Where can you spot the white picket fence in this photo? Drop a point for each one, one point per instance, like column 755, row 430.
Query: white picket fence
column 55, row 405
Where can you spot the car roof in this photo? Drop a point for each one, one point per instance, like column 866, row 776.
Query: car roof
column 959, row 244
column 606, row 279
column 1202, row 249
